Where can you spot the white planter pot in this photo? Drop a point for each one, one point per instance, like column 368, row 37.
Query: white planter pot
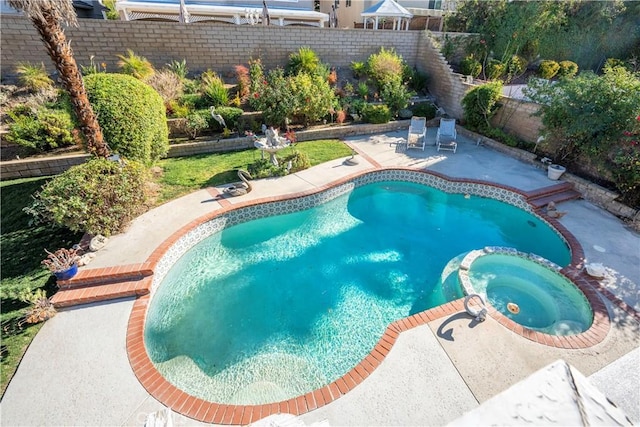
column 555, row 171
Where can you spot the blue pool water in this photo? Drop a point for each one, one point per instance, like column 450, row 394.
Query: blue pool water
column 273, row 308
column 547, row 301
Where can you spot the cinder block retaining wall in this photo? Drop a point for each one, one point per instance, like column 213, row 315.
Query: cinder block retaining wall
column 219, row 47
column 47, row 166
column 515, row 116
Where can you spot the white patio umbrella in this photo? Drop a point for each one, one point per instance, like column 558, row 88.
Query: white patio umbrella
column 266, row 20
column 183, row 16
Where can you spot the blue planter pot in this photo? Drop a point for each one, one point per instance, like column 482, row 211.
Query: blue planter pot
column 66, row 274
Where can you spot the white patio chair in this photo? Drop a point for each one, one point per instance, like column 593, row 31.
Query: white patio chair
column 417, row 132
column 447, row 135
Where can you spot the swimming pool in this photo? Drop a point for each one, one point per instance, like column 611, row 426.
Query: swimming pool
column 273, row 301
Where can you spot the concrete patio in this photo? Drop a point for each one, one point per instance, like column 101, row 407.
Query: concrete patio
column 76, row 371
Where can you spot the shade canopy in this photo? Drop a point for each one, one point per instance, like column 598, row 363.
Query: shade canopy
column 387, row 10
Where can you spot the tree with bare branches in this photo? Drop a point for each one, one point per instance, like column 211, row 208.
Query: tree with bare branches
column 47, row 17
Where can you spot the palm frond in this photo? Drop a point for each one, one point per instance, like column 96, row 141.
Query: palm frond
column 42, row 9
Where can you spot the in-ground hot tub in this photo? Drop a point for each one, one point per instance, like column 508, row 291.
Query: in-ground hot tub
column 527, row 289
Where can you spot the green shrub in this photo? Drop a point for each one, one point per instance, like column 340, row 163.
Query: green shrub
column 33, row 77
column 425, row 109
column 594, row 117
column 40, row 130
column 257, row 83
column 97, row 197
column 273, row 96
column 470, row 66
column 111, row 11
column 418, row 81
column 530, row 49
column 480, row 104
column 495, row 69
column 376, row 113
column 363, row 90
column 193, row 101
column 214, row 89
column 396, row 95
column 384, row 67
column 448, row 48
column 355, row 105
column 567, row 69
column 502, row 136
column 313, row 96
column 359, row 69
column 93, row 67
column 131, row 114
column 548, row 69
column 229, row 114
column 263, row 168
column 195, row 123
column 176, row 110
column 305, row 60
column 190, row 86
column 136, row 66
column 613, row 63
column 516, row 66
column 179, row 68
column 299, row 161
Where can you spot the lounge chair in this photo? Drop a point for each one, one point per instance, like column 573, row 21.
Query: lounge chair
column 417, row 132
column 446, row 136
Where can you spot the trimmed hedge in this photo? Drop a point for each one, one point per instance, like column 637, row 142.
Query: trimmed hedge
column 131, row 114
column 548, row 69
column 376, row 114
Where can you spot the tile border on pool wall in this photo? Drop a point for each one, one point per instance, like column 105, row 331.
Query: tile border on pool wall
column 182, row 240
column 240, row 214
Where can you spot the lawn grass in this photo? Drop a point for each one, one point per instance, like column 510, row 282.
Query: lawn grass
column 22, row 246
column 186, row 174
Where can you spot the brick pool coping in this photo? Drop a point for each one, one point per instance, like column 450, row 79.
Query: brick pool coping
column 211, row 412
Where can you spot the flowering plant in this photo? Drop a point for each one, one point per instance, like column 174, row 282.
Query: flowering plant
column 291, row 136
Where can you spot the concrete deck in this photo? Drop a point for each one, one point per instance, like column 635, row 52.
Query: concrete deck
column 76, row 371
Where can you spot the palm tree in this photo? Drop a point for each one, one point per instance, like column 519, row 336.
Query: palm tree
column 47, row 17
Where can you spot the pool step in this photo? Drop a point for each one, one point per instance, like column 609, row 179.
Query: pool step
column 555, row 193
column 103, row 284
